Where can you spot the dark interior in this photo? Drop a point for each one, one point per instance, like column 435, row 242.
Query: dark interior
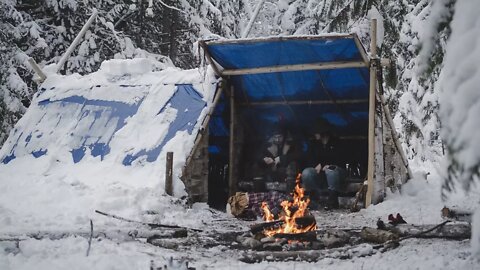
column 253, row 129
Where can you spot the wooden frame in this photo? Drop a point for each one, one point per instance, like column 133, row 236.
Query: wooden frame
column 285, row 68
column 248, row 40
column 305, row 102
column 371, row 113
column 373, row 62
column 209, row 58
column 299, row 67
column 205, row 122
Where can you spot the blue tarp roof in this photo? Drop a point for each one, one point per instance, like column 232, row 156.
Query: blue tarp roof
column 93, row 123
column 342, row 85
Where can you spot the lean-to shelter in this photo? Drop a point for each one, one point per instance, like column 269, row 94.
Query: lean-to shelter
column 297, row 80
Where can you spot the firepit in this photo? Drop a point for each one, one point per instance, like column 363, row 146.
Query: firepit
column 295, row 218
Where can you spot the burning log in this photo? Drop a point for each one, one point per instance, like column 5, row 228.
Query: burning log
column 301, row 222
column 256, row 228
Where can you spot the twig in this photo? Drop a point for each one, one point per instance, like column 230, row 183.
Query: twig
column 151, row 225
column 91, row 236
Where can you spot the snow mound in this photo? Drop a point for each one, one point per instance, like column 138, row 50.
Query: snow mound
column 99, row 141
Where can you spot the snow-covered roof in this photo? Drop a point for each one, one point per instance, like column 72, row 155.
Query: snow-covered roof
column 123, row 114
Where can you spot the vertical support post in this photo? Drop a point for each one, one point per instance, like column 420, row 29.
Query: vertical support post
column 371, row 111
column 169, row 174
column 232, row 184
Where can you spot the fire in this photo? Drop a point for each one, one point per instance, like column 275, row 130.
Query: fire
column 267, row 215
column 293, row 210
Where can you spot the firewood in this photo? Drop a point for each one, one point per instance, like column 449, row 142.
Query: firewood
column 443, row 230
column 360, row 194
column 301, row 222
column 377, row 236
column 306, row 236
column 256, row 228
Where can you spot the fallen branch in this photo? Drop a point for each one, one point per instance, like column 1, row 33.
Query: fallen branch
column 151, row 225
column 112, row 234
column 91, row 236
column 418, row 235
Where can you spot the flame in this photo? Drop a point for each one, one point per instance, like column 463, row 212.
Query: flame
column 293, row 210
column 268, row 216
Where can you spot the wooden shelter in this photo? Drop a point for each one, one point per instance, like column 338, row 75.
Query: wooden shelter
column 298, row 79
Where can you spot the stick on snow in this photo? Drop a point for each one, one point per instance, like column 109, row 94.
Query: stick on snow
column 91, row 236
column 151, row 225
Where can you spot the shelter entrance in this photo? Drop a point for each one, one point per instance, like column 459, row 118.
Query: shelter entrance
column 294, row 82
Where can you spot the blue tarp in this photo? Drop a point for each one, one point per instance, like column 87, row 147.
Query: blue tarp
column 189, row 105
column 310, row 85
column 92, row 124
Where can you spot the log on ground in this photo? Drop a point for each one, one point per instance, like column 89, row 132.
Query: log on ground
column 309, row 255
column 447, row 231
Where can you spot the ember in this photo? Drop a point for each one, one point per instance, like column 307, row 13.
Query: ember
column 293, row 210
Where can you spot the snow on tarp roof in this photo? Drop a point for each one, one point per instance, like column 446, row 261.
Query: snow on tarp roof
column 348, row 86
column 124, row 113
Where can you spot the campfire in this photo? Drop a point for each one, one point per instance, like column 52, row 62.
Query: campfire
column 295, row 218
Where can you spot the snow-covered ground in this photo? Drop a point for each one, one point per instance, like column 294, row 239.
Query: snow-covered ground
column 53, row 196
column 62, row 204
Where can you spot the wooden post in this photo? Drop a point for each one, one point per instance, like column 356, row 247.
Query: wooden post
column 76, row 40
column 37, row 69
column 169, row 174
column 371, row 112
column 252, row 19
column 232, row 184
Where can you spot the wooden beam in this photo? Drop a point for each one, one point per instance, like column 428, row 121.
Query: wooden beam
column 76, row 41
column 37, row 69
column 209, row 58
column 205, row 122
column 305, row 102
column 277, row 38
column 299, row 67
column 360, row 47
column 232, row 184
column 371, row 113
